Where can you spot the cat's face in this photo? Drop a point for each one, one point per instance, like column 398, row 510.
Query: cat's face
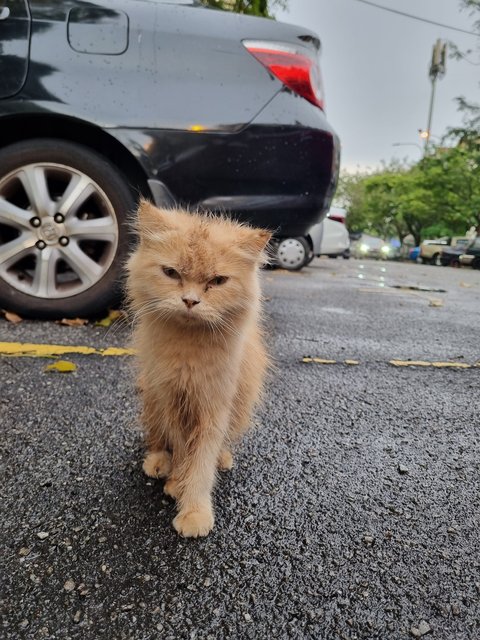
column 194, row 269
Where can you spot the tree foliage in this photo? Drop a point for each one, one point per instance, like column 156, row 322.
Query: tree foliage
column 250, row 7
column 438, row 196
column 470, row 110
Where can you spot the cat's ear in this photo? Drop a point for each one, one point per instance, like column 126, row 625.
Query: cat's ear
column 254, row 241
column 153, row 219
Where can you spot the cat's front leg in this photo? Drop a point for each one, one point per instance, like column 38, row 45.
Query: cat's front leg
column 158, row 460
column 196, row 478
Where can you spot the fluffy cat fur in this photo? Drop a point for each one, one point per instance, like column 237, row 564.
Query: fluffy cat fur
column 194, row 293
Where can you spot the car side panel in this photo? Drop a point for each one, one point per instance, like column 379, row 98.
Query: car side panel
column 14, row 43
column 176, row 67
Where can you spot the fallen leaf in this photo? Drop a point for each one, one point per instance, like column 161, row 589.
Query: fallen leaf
column 72, row 322
column 12, row 317
column 110, row 319
column 61, row 366
column 465, row 285
column 435, row 302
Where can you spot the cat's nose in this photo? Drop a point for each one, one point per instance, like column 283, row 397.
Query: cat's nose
column 190, row 302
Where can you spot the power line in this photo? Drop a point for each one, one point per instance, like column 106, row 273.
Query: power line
column 409, row 15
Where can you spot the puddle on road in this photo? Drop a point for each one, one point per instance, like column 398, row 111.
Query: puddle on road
column 407, row 287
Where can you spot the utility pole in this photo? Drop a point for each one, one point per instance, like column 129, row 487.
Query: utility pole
column 437, row 70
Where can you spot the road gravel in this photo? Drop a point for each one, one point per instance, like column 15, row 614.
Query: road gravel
column 353, row 509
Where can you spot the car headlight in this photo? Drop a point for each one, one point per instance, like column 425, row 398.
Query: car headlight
column 364, row 248
column 385, row 249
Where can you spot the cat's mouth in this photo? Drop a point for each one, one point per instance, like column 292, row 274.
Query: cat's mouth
column 189, row 316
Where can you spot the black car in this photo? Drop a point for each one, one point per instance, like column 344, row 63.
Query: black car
column 101, row 102
column 450, row 256
column 471, row 256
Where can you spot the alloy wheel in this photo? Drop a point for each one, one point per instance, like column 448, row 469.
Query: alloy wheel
column 58, row 230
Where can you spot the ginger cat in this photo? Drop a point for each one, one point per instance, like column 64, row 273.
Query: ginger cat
column 194, row 292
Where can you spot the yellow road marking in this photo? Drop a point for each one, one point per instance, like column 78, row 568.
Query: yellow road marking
column 25, row 349
column 30, row 350
column 438, row 365
column 324, row 361
column 399, row 363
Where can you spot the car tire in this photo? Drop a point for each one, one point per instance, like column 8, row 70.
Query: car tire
column 293, row 253
column 66, row 267
column 311, row 256
column 476, row 263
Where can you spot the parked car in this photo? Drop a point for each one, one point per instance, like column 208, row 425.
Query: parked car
column 102, row 102
column 430, row 250
column 450, row 256
column 371, row 247
column 471, row 257
column 329, row 237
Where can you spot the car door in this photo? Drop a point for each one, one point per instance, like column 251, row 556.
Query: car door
column 14, row 45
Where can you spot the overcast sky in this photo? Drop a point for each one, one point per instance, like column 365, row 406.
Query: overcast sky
column 375, row 68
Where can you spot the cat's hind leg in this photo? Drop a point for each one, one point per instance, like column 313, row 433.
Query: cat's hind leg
column 249, row 388
column 225, row 460
column 157, row 464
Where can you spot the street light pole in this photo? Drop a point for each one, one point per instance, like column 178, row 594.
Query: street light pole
column 430, row 114
column 437, row 69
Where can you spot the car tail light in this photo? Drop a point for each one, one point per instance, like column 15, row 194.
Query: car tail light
column 336, row 218
column 295, row 66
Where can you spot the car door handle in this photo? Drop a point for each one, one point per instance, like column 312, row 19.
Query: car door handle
column 4, row 13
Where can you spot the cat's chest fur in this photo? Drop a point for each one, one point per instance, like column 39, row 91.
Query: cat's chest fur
column 193, row 363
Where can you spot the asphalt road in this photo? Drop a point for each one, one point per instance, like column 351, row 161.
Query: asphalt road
column 353, row 510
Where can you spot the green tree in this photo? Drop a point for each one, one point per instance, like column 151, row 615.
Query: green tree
column 439, row 196
column 452, row 176
column 251, row 7
column 350, row 194
column 471, row 110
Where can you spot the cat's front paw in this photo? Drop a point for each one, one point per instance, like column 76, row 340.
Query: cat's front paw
column 157, row 464
column 194, row 524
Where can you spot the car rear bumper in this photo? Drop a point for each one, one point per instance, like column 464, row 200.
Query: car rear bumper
column 280, row 172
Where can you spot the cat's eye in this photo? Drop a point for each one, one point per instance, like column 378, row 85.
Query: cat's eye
column 171, row 273
column 218, row 280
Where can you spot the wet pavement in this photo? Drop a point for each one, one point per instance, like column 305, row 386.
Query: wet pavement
column 352, row 511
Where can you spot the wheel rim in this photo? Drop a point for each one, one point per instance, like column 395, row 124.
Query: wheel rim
column 58, row 230
column 291, row 253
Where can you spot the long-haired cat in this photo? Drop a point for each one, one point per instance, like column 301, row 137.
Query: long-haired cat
column 194, row 292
